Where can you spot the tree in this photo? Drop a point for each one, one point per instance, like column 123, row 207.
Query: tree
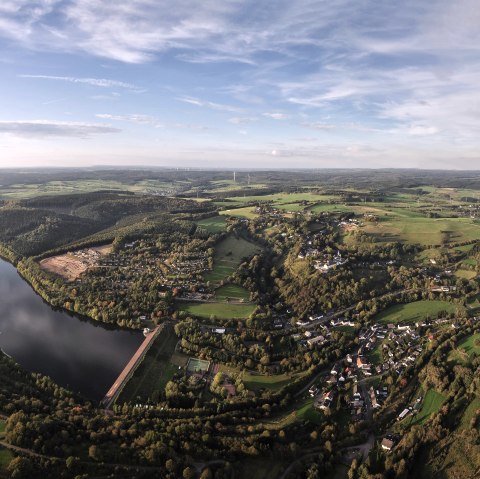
column 188, row 473
column 206, row 474
column 20, row 467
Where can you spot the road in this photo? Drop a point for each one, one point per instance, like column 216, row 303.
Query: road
column 335, row 314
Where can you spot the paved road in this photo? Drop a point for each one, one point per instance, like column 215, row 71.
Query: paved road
column 335, row 314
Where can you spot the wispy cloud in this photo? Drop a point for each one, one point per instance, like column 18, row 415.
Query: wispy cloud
column 45, row 128
column 318, row 126
column 241, row 120
column 133, row 118
column 210, row 105
column 100, row 82
column 277, row 115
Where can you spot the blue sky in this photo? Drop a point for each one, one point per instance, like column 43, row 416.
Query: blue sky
column 230, row 83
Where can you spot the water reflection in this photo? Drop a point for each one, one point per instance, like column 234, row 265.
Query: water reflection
column 82, row 355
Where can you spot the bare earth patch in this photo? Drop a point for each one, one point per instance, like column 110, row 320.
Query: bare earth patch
column 72, row 264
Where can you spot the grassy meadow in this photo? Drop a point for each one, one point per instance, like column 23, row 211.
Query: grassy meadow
column 228, row 256
column 416, row 311
column 216, row 224
column 154, row 372
column 219, row 310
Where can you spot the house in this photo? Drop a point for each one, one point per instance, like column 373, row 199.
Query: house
column 336, row 369
column 317, row 339
column 403, row 414
column 387, row 444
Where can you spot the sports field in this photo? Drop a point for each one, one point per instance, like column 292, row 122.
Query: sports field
column 416, row 311
column 195, row 365
column 219, row 310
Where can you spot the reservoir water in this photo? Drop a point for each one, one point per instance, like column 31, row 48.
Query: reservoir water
column 84, row 356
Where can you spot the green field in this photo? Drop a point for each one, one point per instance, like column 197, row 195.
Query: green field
column 219, row 310
column 212, row 225
column 469, row 413
column 375, row 355
column 248, row 212
column 308, row 413
column 255, row 382
column 228, row 256
column 5, row 457
column 468, row 345
column 195, row 365
column 154, row 372
column 416, row 311
column 424, row 231
column 430, row 405
column 232, row 292
column 282, row 198
column 82, row 186
column 2, row 426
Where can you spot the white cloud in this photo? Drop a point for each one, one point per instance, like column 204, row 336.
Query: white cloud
column 46, row 128
column 100, row 82
column 134, row 118
column 318, row 126
column 209, row 104
column 277, row 116
column 241, row 120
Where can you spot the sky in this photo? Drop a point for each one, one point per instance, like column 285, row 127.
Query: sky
column 240, row 83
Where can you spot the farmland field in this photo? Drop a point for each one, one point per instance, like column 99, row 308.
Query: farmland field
column 212, row 225
column 424, row 231
column 431, row 404
column 256, row 382
column 247, row 212
column 470, row 413
column 416, row 311
column 233, row 292
column 219, row 310
column 5, row 457
column 228, row 256
column 469, row 344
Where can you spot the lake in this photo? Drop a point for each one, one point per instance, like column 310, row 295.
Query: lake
column 84, row 356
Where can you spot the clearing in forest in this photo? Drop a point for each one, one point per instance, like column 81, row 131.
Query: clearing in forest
column 228, row 255
column 72, row 264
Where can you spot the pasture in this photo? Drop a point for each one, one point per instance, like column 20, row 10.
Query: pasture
column 256, row 382
column 215, row 224
column 154, row 372
column 5, row 457
column 228, row 255
column 469, row 413
column 232, row 292
column 248, row 212
column 423, row 231
column 430, row 405
column 416, row 311
column 470, row 345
